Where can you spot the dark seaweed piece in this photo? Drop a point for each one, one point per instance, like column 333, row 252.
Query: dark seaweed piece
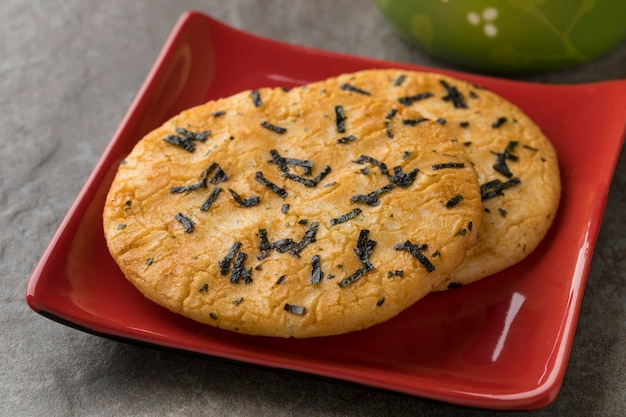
column 402, row 179
column 371, row 199
column 501, row 158
column 213, row 316
column 219, row 176
column 464, row 124
column 414, row 122
column 398, row 82
column 453, row 201
column 472, row 94
column 348, row 87
column 149, row 261
column 381, row 301
column 355, row 276
column 316, row 271
column 283, row 163
column 502, row 212
column 388, row 119
column 364, row 249
column 340, row 119
column 256, row 98
column 273, row 187
column 239, row 272
column 201, row 184
column 247, row 202
column 345, row 217
column 204, row 288
column 499, row 122
column 303, row 222
column 293, row 309
column 381, row 165
column 188, row 225
column 273, row 128
column 212, row 197
column 218, row 113
column 224, row 263
column 408, row 100
column 281, row 280
column 309, row 237
column 416, row 251
column 306, row 181
column 496, row 188
column 347, row 139
column 447, row 165
column 441, row 121
column 185, row 139
column 454, row 95
column 288, row 245
column 238, row 301
column 284, row 208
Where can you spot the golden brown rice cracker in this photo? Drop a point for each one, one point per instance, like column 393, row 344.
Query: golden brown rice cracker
column 292, row 214
column 517, row 165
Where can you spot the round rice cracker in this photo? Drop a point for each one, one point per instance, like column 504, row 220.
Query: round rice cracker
column 323, row 225
column 516, row 164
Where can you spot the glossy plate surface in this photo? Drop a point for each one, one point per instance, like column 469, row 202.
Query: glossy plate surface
column 503, row 342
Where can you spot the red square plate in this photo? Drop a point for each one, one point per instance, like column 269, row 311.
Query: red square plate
column 503, row 342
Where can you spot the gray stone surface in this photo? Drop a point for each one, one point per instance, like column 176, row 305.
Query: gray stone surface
column 68, row 71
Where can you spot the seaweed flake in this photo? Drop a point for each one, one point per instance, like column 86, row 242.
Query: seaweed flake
column 454, row 95
column 239, row 272
column 453, row 201
column 340, row 118
column 402, row 179
column 187, row 223
column 499, row 122
column 185, row 139
column 273, row 128
column 408, row 100
column 501, row 158
column 224, row 263
column 381, row 301
column 345, row 217
column 245, row 202
column 447, row 165
column 218, row 113
column 372, row 199
column 496, row 188
column 381, row 165
column 284, row 208
column 348, row 87
column 416, row 251
column 312, row 182
column 283, row 163
column 398, row 82
column 256, row 98
column 388, row 118
column 212, row 197
column 414, row 122
column 273, row 187
column 346, row 139
column 316, row 270
column 293, row 309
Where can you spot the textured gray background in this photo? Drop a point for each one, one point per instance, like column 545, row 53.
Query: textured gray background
column 68, row 72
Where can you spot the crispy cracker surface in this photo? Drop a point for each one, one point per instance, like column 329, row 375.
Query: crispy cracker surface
column 293, row 214
column 516, row 164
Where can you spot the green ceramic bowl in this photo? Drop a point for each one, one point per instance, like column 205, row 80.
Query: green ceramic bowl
column 510, row 36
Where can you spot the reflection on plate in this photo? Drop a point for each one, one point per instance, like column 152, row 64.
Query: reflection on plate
column 503, row 342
